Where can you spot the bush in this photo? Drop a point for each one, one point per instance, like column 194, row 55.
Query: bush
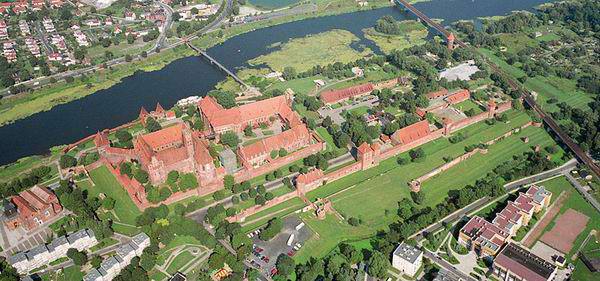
column 219, row 195
column 274, row 154
column 259, row 200
column 269, row 196
column 401, row 161
column 79, row 258
column 67, row 161
column 271, row 230
column 353, row 221
column 172, row 177
column 416, row 154
column 141, row 176
column 108, row 203
column 188, row 181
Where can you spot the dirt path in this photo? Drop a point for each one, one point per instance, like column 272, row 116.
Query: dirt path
column 552, row 211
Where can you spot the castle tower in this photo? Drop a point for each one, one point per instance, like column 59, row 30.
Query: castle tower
column 365, row 156
column 450, row 41
column 491, row 108
column 143, row 115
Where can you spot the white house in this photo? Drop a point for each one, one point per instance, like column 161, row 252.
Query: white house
column 407, row 259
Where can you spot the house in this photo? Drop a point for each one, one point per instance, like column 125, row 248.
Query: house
column 408, row 259
column 35, row 206
column 487, row 238
column 110, row 267
column 335, row 96
column 458, row 96
column 517, row 263
column 43, row 254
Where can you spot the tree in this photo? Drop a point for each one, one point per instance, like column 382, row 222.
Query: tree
column 67, row 161
column 274, row 154
column 152, row 125
column 172, row 177
column 96, row 261
column 416, row 154
column 417, row 197
column 125, row 169
column 248, row 131
column 228, row 181
column 79, row 258
column 141, row 176
column 353, row 221
column 289, row 73
column 378, row 265
column 285, row 265
column 282, row 152
column 225, row 99
column 108, row 203
column 230, row 139
column 273, row 228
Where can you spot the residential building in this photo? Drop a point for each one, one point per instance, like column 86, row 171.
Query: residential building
column 517, row 263
column 487, row 238
column 35, row 206
column 408, row 259
column 41, row 255
column 110, row 267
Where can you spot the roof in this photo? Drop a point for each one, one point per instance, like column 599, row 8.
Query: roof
column 407, row 252
column 437, row 94
column 338, row 95
column 59, row 241
column 140, row 238
column 157, row 140
column 109, row 263
column 412, row 132
column 124, row 250
column 93, row 275
column 37, row 250
column 16, row 258
column 276, row 142
column 74, row 237
column 458, row 96
column 524, row 264
column 364, row 148
column 310, row 177
column 178, row 276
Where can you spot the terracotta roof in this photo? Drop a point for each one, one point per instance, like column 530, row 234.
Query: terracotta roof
column 458, row 96
column 310, row 177
column 338, row 95
column 364, row 148
column 240, row 115
column 164, row 137
column 437, row 94
column 159, row 108
column 276, row 142
column 201, row 153
column 412, row 132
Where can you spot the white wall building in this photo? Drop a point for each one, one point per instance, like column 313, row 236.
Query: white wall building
column 40, row 255
column 407, row 259
column 111, row 267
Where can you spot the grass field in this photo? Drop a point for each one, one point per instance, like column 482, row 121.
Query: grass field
column 304, row 53
column 413, row 33
column 106, row 183
column 254, row 221
column 468, row 104
column 576, row 202
column 582, row 272
column 372, row 195
column 179, row 262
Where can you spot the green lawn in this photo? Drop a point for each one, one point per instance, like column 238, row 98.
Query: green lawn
column 577, row 202
column 264, row 216
column 106, row 183
column 179, row 262
column 359, row 111
column 372, row 195
column 324, row 134
column 582, row 272
column 468, row 104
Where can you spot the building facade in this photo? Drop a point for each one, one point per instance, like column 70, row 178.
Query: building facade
column 35, row 206
column 407, row 259
column 110, row 267
column 518, row 264
column 41, row 255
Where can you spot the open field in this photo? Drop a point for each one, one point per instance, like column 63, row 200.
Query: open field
column 106, row 183
column 319, row 49
column 582, row 272
column 575, row 202
column 372, row 195
column 413, row 33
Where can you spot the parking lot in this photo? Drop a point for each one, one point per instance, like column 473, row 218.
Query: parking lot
column 266, row 252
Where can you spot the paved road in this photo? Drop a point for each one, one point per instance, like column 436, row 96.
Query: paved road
column 199, row 214
column 511, row 186
column 166, row 26
column 446, row 265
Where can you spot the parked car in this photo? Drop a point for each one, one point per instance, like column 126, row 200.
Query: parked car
column 273, row 271
column 291, row 253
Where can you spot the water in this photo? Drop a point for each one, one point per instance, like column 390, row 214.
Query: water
column 184, row 77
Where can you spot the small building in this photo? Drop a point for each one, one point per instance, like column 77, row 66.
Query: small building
column 517, row 263
column 35, row 206
column 407, row 259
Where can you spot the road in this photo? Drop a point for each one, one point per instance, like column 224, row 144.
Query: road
column 511, row 186
column 446, row 265
column 166, row 25
column 582, row 190
column 199, row 214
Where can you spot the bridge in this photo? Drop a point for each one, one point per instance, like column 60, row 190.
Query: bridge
column 527, row 97
column 219, row 65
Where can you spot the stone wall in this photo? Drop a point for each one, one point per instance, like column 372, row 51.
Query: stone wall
column 255, row 209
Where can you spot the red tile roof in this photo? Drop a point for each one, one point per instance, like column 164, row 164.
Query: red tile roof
column 310, row 177
column 437, row 94
column 364, row 148
column 166, row 136
column 346, row 93
column 458, row 96
column 412, row 132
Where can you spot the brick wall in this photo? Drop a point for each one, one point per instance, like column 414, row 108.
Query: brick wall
column 255, row 209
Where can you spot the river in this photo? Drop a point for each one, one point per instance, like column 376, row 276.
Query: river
column 188, row 76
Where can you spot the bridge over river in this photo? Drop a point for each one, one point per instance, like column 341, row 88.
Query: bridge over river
column 219, row 65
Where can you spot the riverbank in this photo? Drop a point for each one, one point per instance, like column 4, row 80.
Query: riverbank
column 25, row 105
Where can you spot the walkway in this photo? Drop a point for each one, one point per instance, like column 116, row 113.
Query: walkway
column 588, row 197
